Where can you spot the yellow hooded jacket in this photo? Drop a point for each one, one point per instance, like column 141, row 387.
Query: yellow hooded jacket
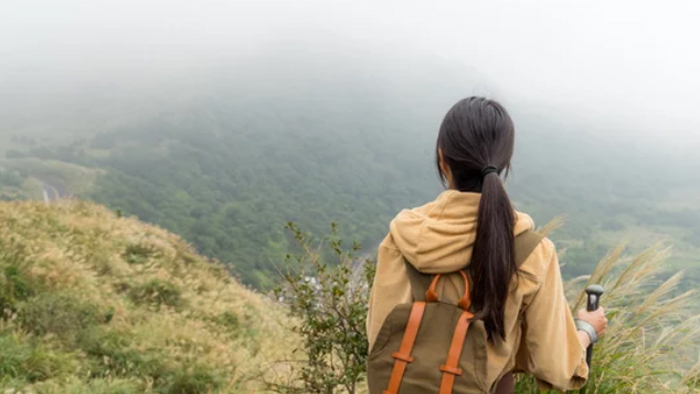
column 541, row 336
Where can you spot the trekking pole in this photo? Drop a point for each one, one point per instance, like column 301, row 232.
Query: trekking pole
column 594, row 292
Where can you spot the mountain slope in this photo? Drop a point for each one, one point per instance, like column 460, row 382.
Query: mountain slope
column 316, row 137
column 95, row 303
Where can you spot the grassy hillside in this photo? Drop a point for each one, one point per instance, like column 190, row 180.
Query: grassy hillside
column 95, row 303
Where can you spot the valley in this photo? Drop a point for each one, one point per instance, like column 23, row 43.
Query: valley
column 227, row 165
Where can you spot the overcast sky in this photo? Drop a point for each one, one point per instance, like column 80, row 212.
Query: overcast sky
column 631, row 59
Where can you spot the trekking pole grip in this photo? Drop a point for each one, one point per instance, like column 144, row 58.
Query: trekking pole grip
column 594, row 293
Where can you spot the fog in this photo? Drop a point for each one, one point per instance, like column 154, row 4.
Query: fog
column 628, row 62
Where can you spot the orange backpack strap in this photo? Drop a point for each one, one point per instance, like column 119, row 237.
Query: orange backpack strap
column 403, row 356
column 451, row 368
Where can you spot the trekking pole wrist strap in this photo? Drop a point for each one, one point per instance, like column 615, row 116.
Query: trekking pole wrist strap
column 582, row 325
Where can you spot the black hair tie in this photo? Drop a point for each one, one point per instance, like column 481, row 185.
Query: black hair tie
column 488, row 170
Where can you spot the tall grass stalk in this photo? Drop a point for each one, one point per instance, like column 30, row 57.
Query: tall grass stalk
column 651, row 345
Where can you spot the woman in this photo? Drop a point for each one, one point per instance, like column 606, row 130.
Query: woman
column 472, row 226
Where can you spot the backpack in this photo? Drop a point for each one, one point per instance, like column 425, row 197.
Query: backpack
column 428, row 346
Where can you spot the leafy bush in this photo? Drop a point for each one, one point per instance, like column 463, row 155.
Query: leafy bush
column 191, row 380
column 157, row 292
column 328, row 302
column 27, row 359
column 229, row 320
column 62, row 314
column 15, row 284
column 137, row 254
column 111, row 354
column 14, row 287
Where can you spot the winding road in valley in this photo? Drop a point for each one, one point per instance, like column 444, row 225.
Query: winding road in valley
column 52, row 193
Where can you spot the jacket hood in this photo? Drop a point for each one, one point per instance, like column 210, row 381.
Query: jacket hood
column 438, row 237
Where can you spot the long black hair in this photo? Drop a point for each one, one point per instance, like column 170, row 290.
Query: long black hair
column 476, row 142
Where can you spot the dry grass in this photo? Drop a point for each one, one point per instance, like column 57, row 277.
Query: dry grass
column 167, row 320
column 654, row 335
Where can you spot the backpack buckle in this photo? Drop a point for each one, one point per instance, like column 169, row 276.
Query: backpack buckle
column 451, row 371
column 403, row 357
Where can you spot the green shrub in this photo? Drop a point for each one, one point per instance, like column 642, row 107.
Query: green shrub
column 27, row 359
column 11, row 385
column 191, row 380
column 137, row 254
column 330, row 314
column 229, row 320
column 14, row 287
column 15, row 284
column 62, row 314
column 156, row 292
column 93, row 386
column 111, row 354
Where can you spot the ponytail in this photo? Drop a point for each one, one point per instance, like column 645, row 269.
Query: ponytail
column 493, row 258
column 474, row 147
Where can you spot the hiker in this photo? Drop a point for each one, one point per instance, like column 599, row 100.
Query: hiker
column 513, row 310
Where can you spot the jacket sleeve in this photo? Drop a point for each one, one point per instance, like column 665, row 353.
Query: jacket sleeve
column 550, row 348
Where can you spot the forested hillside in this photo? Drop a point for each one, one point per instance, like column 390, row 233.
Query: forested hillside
column 257, row 145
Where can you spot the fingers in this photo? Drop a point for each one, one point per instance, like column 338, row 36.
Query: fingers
column 603, row 320
column 596, row 318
